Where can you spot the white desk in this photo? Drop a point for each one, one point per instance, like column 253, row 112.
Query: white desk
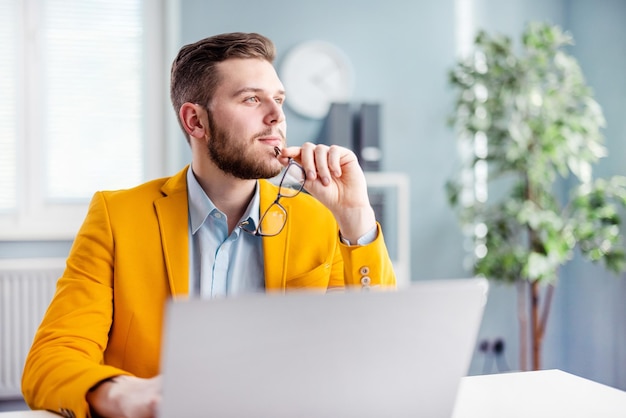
column 28, row 414
column 542, row 394
column 546, row 393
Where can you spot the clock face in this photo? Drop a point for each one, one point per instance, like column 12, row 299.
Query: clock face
column 316, row 74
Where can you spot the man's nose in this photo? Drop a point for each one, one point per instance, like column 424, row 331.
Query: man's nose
column 275, row 113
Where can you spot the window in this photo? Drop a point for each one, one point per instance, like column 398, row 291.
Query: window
column 8, row 134
column 79, row 102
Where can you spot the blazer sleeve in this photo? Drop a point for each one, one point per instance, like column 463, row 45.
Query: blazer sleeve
column 366, row 266
column 66, row 358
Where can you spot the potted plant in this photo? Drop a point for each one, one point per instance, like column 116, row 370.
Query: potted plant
column 532, row 132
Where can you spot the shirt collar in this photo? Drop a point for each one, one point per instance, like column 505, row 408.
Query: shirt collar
column 200, row 206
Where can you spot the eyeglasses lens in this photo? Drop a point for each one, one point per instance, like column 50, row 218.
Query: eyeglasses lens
column 273, row 220
column 293, row 181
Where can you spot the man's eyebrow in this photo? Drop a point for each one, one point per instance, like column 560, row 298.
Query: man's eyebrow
column 245, row 90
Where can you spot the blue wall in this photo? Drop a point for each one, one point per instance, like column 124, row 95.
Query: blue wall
column 401, row 51
column 593, row 313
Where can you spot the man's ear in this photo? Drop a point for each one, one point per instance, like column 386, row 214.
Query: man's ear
column 193, row 120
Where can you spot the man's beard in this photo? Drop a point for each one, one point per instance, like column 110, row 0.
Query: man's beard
column 235, row 157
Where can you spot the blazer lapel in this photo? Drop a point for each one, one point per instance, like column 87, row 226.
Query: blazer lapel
column 173, row 213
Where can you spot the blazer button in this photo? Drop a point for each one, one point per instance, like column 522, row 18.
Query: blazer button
column 364, row 270
column 366, row 281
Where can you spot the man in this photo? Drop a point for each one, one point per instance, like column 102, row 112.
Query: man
column 200, row 233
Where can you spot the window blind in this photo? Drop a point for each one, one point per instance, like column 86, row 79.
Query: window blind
column 8, row 95
column 92, row 71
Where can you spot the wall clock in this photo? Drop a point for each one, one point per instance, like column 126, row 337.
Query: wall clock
column 316, row 74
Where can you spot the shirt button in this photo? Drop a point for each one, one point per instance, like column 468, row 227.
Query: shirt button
column 218, row 215
column 366, row 281
column 364, row 270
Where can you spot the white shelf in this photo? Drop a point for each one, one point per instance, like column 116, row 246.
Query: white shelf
column 396, row 226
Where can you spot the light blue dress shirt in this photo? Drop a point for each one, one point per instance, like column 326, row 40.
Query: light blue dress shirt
column 220, row 264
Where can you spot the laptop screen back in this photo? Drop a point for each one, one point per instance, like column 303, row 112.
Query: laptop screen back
column 396, row 353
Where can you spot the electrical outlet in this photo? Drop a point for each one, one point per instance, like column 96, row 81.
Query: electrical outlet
column 493, row 350
column 495, row 346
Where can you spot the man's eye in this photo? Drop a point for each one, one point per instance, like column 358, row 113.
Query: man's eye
column 279, row 100
column 253, row 99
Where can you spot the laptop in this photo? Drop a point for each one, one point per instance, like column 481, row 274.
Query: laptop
column 354, row 354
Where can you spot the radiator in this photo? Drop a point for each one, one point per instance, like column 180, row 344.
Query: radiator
column 26, row 288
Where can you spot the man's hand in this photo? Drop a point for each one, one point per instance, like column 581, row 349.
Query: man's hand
column 127, row 396
column 335, row 178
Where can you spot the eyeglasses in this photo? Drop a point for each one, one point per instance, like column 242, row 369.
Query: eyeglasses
column 275, row 217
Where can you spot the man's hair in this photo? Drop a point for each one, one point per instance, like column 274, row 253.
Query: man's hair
column 194, row 77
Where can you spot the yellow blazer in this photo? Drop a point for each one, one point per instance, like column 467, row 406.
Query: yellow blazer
column 132, row 254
